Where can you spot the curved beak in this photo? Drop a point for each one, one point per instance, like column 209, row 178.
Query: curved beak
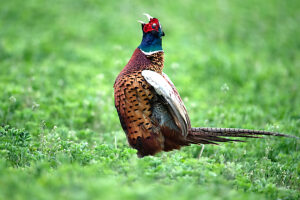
column 148, row 16
column 141, row 22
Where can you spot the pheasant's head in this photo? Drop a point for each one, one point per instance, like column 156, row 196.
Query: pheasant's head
column 152, row 34
column 153, row 26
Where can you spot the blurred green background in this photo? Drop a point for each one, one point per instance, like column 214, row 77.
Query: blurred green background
column 235, row 64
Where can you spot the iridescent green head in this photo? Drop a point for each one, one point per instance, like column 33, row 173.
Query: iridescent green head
column 152, row 34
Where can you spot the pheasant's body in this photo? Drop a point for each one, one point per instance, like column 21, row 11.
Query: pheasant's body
column 150, row 109
column 139, row 107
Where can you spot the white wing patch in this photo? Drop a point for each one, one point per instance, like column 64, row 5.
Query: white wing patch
column 162, row 86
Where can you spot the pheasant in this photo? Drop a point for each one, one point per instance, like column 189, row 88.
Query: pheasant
column 149, row 107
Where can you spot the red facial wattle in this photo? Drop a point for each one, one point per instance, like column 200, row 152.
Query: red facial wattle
column 153, row 25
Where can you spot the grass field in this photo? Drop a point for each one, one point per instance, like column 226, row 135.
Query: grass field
column 235, row 63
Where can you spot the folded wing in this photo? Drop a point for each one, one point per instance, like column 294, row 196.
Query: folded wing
column 164, row 87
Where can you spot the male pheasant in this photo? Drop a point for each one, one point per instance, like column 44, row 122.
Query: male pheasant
column 150, row 109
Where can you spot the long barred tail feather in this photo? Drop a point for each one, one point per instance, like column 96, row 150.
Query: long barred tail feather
column 207, row 135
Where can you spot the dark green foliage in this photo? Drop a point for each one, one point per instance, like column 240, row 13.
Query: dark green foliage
column 15, row 146
column 235, row 63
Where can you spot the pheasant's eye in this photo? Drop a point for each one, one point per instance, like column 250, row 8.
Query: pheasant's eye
column 154, row 25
